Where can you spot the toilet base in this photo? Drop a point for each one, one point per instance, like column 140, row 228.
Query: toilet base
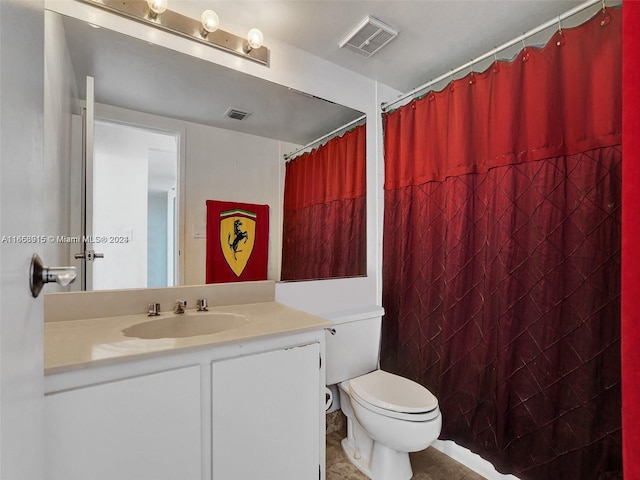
column 388, row 464
column 356, row 457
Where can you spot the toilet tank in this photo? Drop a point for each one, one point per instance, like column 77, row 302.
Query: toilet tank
column 354, row 348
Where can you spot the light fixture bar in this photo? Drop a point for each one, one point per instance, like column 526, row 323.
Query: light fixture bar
column 184, row 26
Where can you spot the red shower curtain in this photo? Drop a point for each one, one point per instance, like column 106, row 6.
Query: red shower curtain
column 630, row 241
column 501, row 255
column 324, row 225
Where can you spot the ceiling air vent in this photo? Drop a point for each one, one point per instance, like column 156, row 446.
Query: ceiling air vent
column 236, row 114
column 369, row 36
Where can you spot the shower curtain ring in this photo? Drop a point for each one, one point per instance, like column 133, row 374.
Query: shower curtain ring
column 606, row 18
column 525, row 54
column 472, row 76
column 496, row 67
column 560, row 42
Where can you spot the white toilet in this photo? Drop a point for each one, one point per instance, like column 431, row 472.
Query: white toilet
column 388, row 416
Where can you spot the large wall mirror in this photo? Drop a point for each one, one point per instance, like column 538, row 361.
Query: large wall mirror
column 167, row 138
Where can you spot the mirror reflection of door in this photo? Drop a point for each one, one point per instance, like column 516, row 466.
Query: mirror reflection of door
column 134, row 215
column 127, row 215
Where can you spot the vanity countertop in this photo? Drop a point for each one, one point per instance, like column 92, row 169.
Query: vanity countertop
column 74, row 344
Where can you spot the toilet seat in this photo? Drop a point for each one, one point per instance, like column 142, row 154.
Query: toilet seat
column 394, row 396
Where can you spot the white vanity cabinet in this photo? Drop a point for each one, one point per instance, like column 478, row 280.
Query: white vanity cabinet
column 146, row 427
column 265, row 415
column 236, row 411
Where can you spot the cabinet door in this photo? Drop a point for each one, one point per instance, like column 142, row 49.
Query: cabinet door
column 143, row 428
column 266, row 415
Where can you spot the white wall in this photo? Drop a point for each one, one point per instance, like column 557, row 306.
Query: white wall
column 59, row 91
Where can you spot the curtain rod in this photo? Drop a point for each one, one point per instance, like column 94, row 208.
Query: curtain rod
column 288, row 156
column 577, row 9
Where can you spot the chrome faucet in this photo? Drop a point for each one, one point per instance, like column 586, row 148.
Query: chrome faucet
column 180, row 306
column 154, row 309
column 202, row 305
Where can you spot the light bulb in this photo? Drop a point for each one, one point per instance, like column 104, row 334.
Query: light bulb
column 210, row 21
column 157, row 6
column 255, row 38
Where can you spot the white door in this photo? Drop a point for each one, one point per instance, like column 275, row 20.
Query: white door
column 265, row 415
column 21, row 206
column 142, row 428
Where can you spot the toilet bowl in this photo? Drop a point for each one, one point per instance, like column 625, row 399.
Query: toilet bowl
column 388, row 416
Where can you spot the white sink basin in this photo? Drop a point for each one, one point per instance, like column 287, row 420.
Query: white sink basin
column 188, row 324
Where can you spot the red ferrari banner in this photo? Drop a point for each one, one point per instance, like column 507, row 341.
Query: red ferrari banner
column 237, row 241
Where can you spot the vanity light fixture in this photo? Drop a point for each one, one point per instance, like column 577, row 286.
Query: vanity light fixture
column 210, row 22
column 156, row 7
column 155, row 13
column 254, row 40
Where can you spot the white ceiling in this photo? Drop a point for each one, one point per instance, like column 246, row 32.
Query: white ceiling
column 435, row 35
column 133, row 74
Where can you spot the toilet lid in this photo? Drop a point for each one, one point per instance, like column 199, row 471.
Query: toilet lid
column 392, row 392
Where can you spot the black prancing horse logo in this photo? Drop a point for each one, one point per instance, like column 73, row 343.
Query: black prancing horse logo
column 238, row 236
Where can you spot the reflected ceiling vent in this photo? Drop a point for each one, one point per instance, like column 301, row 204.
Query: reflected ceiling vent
column 236, row 114
column 369, row 36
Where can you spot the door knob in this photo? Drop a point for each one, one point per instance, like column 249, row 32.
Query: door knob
column 39, row 274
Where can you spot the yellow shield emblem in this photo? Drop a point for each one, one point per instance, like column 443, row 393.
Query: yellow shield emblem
column 237, row 237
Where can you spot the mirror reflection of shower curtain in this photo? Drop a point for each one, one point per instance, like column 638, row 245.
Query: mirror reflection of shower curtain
column 324, row 210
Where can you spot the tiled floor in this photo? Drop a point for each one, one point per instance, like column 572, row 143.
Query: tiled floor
column 430, row 464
